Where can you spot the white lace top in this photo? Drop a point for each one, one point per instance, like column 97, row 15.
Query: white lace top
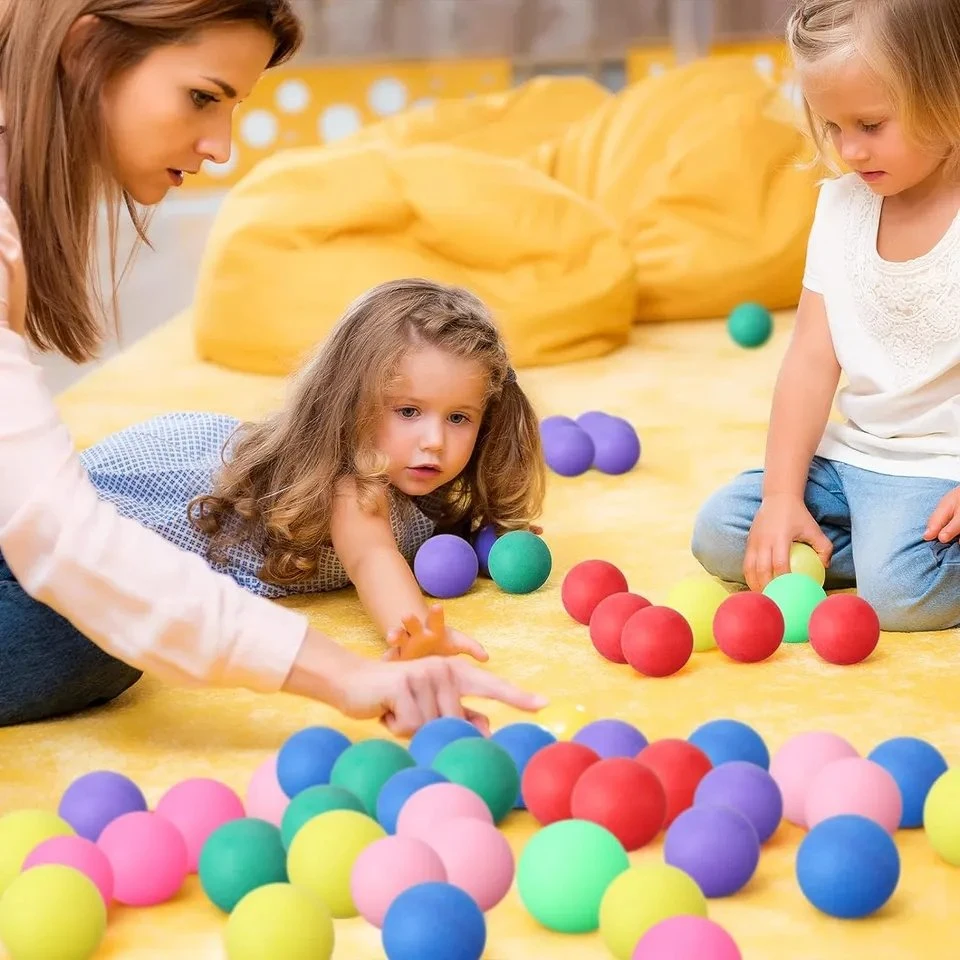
column 896, row 332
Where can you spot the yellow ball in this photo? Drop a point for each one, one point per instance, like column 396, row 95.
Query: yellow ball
column 697, row 598
column 52, row 912
column 563, row 718
column 20, row 833
column 323, row 853
column 804, row 559
column 640, row 898
column 280, row 920
column 941, row 816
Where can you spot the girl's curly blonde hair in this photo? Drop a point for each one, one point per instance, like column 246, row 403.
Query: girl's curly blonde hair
column 277, row 486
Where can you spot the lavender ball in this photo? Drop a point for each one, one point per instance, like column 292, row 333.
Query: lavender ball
column 747, row 788
column 96, row 799
column 446, row 566
column 611, row 738
column 616, row 444
column 549, row 423
column 483, row 540
column 568, row 450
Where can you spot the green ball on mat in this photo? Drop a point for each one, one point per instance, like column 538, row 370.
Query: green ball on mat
column 240, row 856
column 365, row 767
column 311, row 803
column 519, row 562
column 797, row 596
column 750, row 324
column 484, row 767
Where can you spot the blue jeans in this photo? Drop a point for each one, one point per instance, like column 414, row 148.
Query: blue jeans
column 875, row 522
column 47, row 667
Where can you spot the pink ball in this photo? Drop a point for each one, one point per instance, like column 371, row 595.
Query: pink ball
column 477, row 858
column 686, row 938
column 388, row 867
column 854, row 785
column 265, row 797
column 196, row 808
column 425, row 810
column 148, row 855
column 81, row 854
column 798, row 761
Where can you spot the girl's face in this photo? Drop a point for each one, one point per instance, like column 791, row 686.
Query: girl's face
column 430, row 419
column 865, row 130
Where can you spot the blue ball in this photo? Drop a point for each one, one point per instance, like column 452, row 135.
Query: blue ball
column 726, row 740
column 483, row 540
column 432, row 737
column 399, row 789
column 915, row 765
column 522, row 741
column 307, row 757
column 848, row 866
column 435, row 920
column 446, row 566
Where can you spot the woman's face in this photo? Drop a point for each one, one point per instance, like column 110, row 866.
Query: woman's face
column 174, row 109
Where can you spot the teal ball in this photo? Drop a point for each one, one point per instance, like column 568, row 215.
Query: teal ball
column 519, row 562
column 750, row 324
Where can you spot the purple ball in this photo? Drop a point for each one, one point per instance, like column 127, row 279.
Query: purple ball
column 615, row 442
column 97, row 799
column 746, row 788
column 483, row 540
column 556, row 421
column 611, row 738
column 568, row 450
column 717, row 846
column 446, row 566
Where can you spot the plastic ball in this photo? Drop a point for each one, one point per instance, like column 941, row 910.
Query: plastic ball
column 435, row 920
column 848, row 866
column 265, row 799
column 611, row 738
column 311, row 803
column 567, row 450
column 640, row 898
column 280, row 920
column 564, row 871
column 725, row 740
column 624, row 796
column 238, row 857
column 398, row 790
column 550, row 777
column 586, row 584
column 563, row 718
column 854, row 785
column 80, row 854
column 797, row 596
column 798, row 761
column 804, row 559
column 748, row 627
column 429, row 807
column 686, row 938
column 434, row 735
column 522, row 741
column 680, row 766
column 607, row 622
column 476, row 857
column 20, row 832
column 323, row 854
column 940, row 816
column 844, row 629
column 52, row 912
column 446, row 566
column 365, row 767
column 196, row 808
column 520, row 562
column 698, row 599
column 750, row 324
column 916, row 765
column 746, row 788
column 556, row 420
column 615, row 442
column 483, row 767
column 95, row 799
column 657, row 641
column 307, row 757
column 483, row 540
column 148, row 856
column 386, row 868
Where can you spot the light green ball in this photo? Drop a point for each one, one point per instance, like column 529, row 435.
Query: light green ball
column 797, row 596
column 365, row 767
column 311, row 803
column 750, row 324
column 280, row 920
column 483, row 766
column 519, row 562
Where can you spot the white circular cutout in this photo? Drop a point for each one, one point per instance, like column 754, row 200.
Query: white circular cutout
column 793, row 93
column 339, row 121
column 292, row 96
column 259, row 128
column 764, row 64
column 222, row 169
column 424, row 102
column 387, row 96
column 656, row 69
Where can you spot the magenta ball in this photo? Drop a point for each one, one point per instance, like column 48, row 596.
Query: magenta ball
column 858, row 786
column 568, row 450
column 686, row 938
column 611, row 738
column 80, row 854
column 96, row 799
column 615, row 442
column 265, row 799
column 747, row 788
column 429, row 807
column 446, row 566
column 798, row 761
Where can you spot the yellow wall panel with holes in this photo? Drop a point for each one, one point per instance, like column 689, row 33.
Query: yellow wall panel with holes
column 301, row 106
column 770, row 57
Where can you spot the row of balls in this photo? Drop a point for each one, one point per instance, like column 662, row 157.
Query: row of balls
column 594, row 440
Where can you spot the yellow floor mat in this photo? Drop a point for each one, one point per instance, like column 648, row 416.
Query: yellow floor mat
column 700, row 405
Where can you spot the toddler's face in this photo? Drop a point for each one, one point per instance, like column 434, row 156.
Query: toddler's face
column 430, row 419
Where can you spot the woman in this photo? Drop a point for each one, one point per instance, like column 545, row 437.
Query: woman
column 118, row 101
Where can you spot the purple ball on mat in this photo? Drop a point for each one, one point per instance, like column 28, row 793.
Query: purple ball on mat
column 616, row 444
column 717, row 846
column 483, row 540
column 557, row 420
column 568, row 450
column 611, row 738
column 446, row 566
column 97, row 799
column 746, row 788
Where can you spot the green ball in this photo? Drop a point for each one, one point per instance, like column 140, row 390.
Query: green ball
column 484, row 767
column 519, row 562
column 238, row 857
column 750, row 324
column 311, row 803
column 797, row 595
column 365, row 767
column 565, row 870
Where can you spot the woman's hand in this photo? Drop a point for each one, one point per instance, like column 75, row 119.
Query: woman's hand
column 13, row 280
column 421, row 638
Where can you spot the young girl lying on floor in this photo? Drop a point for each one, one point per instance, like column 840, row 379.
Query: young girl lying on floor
column 408, row 421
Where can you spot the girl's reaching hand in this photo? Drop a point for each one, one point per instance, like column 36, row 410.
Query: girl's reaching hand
column 418, row 638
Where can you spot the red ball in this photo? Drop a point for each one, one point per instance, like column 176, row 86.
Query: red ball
column 550, row 776
column 680, row 766
column 748, row 627
column 625, row 797
column 657, row 641
column 607, row 622
column 844, row 629
column 586, row 584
